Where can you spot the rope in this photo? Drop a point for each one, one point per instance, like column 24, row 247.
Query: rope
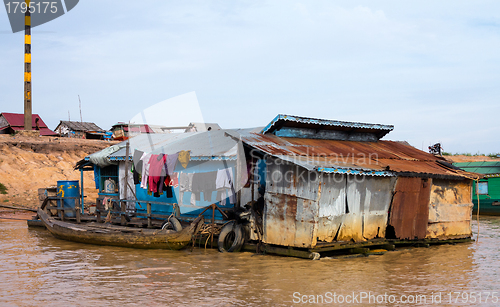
column 211, row 230
column 477, row 213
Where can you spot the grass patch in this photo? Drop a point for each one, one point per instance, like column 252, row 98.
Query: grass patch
column 3, row 189
column 5, row 200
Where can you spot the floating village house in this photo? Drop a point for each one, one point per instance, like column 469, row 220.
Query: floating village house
column 488, row 188
column 80, row 130
column 12, row 122
column 197, row 152
column 307, row 183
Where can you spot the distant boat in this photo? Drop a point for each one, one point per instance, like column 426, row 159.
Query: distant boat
column 115, row 235
column 488, row 188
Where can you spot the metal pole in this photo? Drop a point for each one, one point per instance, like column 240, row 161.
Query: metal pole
column 81, row 188
column 27, row 68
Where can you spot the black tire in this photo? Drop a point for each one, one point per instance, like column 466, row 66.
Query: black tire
column 172, row 224
column 231, row 238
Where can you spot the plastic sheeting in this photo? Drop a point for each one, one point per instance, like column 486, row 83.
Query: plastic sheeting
column 101, row 159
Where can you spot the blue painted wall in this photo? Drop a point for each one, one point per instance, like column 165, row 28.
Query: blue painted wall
column 186, row 209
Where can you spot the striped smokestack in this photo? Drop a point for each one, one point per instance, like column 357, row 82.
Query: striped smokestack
column 27, row 68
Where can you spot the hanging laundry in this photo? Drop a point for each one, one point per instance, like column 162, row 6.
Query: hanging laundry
column 224, row 178
column 225, row 185
column 184, row 158
column 224, row 194
column 137, row 166
column 145, row 170
column 185, row 184
column 172, row 180
column 204, row 182
column 156, row 171
column 171, row 162
column 169, row 182
column 167, row 188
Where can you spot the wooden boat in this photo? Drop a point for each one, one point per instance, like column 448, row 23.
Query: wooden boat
column 104, row 234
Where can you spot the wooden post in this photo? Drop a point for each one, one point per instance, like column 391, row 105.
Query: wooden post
column 148, row 208
column 78, row 216
column 213, row 227
column 60, row 206
column 125, row 185
column 81, row 189
column 98, row 208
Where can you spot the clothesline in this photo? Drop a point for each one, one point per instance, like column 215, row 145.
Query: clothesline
column 156, row 174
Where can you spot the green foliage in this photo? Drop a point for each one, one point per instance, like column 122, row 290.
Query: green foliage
column 493, row 155
column 446, row 153
column 3, row 189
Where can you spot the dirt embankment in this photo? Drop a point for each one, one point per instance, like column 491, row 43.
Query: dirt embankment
column 464, row 158
column 27, row 164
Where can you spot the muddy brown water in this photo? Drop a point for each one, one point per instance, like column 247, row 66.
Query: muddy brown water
column 39, row 270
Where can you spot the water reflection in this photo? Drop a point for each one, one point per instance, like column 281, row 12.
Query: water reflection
column 37, row 269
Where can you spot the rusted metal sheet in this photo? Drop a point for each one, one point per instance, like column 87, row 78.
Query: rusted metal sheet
column 353, row 207
column 351, row 228
column 461, row 229
column 289, row 220
column 287, row 178
column 331, row 206
column 279, row 220
column 410, row 207
column 354, row 155
column 450, row 209
column 377, row 202
column 313, row 147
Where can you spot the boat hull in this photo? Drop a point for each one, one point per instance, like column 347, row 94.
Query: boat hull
column 487, row 207
column 112, row 235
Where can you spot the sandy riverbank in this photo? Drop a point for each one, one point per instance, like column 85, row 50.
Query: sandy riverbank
column 30, row 163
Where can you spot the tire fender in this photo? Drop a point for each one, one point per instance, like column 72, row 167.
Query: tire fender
column 172, row 223
column 231, row 238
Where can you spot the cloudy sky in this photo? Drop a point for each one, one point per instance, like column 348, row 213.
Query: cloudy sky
column 430, row 68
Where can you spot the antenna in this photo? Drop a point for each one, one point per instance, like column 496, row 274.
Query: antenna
column 69, row 117
column 81, row 120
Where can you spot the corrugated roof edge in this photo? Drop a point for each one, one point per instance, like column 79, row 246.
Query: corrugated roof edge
column 325, row 122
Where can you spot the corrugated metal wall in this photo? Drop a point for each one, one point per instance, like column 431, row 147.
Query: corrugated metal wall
column 303, row 207
column 291, row 213
column 410, row 207
column 353, row 207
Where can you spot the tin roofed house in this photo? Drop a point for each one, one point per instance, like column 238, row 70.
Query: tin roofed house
column 80, row 130
column 488, row 188
column 307, row 185
column 331, row 182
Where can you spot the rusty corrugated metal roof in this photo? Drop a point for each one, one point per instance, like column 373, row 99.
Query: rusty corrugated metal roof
column 384, row 158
